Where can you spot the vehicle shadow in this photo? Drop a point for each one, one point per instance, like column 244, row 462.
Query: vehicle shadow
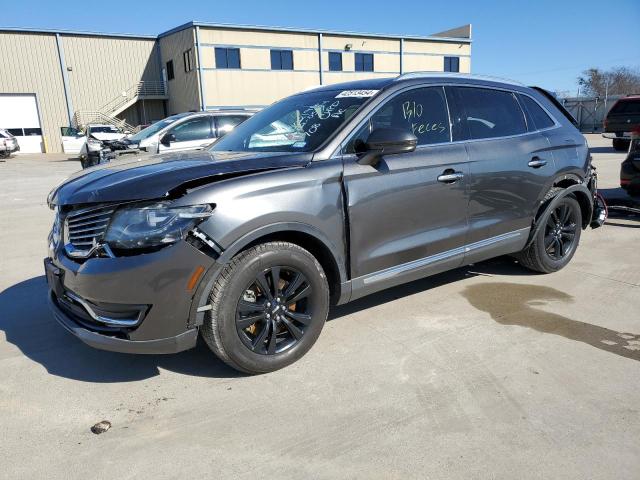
column 604, row 150
column 28, row 324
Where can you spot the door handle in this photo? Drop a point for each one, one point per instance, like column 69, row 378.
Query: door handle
column 537, row 162
column 449, row 176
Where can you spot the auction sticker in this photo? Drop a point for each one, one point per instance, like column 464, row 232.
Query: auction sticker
column 357, row 93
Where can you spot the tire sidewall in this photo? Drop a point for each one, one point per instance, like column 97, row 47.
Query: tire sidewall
column 549, row 263
column 243, row 275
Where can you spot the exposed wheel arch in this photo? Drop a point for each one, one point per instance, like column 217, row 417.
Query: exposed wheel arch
column 304, row 236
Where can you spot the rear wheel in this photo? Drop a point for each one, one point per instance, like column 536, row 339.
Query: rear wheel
column 557, row 240
column 268, row 308
column 620, row 144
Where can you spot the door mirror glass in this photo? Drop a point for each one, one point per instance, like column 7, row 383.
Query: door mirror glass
column 387, row 141
column 167, row 138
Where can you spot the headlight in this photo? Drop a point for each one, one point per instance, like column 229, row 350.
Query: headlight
column 153, row 225
column 93, row 144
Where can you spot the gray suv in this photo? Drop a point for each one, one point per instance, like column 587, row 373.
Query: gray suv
column 320, row 199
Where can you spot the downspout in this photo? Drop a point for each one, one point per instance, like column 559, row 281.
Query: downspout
column 65, row 78
column 200, row 75
column 320, row 58
column 401, row 56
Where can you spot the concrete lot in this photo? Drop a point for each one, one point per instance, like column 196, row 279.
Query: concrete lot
column 485, row 372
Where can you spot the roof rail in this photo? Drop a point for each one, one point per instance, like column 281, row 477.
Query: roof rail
column 406, row 76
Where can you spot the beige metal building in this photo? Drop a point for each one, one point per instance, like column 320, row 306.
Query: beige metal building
column 54, row 79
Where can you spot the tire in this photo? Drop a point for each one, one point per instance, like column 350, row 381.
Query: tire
column 237, row 297
column 553, row 247
column 621, row 145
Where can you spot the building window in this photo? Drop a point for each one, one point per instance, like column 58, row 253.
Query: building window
column 227, row 57
column 187, row 58
column 364, row 62
column 170, row 75
column 451, row 64
column 335, row 61
column 281, row 60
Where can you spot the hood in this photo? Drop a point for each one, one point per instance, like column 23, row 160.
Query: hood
column 151, row 177
column 107, row 136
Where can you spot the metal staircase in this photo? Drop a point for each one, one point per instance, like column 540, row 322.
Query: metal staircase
column 106, row 114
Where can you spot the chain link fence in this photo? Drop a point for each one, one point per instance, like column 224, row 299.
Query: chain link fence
column 589, row 111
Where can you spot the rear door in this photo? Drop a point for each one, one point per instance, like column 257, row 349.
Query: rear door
column 226, row 123
column 408, row 214
column 193, row 133
column 509, row 168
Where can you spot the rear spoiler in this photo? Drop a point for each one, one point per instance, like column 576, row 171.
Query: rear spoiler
column 557, row 104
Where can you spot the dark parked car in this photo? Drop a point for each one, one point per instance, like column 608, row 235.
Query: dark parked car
column 621, row 120
column 320, row 199
column 630, row 168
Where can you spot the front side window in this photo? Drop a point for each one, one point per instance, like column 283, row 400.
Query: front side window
column 421, row 111
column 195, row 129
column 281, row 60
column 364, row 62
column 335, row 61
column 300, row 123
column 227, row 57
column 486, row 113
column 451, row 64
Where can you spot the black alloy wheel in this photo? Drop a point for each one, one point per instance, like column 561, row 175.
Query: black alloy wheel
column 275, row 310
column 560, row 232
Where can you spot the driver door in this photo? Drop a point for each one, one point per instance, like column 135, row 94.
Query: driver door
column 191, row 134
column 408, row 213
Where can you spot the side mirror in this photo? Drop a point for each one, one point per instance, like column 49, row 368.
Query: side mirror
column 387, row 141
column 167, row 138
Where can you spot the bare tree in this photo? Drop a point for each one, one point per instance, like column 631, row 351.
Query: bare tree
column 616, row 81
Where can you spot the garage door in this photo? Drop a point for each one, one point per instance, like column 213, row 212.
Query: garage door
column 19, row 115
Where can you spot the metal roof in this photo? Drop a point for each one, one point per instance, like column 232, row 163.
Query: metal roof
column 75, row 32
column 313, row 31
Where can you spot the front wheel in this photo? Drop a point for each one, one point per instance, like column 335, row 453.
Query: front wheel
column 269, row 305
column 556, row 241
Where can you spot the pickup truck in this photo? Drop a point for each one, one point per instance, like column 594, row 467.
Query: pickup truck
column 623, row 117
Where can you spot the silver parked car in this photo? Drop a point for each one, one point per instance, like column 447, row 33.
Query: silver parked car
column 184, row 131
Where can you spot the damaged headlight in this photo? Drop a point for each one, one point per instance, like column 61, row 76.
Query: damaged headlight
column 153, row 225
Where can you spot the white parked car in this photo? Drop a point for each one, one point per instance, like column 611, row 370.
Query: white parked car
column 95, row 134
column 8, row 144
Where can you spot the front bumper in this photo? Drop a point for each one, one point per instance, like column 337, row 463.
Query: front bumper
column 135, row 304
column 178, row 343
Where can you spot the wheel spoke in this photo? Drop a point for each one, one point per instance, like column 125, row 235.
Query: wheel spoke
column 300, row 295
column 259, row 340
column 556, row 248
column 554, row 215
column 275, row 280
column 264, row 285
column 294, row 284
column 299, row 317
column 566, row 211
column 548, row 242
column 248, row 307
column 571, row 228
column 561, row 245
column 551, row 223
column 295, row 331
column 250, row 320
column 271, row 348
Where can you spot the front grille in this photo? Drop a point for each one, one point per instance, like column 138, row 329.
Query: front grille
column 84, row 229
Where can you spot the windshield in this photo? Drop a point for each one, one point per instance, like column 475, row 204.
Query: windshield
column 104, row 129
column 300, row 123
column 155, row 128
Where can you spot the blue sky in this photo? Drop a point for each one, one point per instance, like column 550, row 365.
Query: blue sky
column 539, row 42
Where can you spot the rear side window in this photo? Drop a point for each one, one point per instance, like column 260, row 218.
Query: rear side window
column 226, row 123
column 196, row 129
column 627, row 106
column 486, row 113
column 537, row 118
